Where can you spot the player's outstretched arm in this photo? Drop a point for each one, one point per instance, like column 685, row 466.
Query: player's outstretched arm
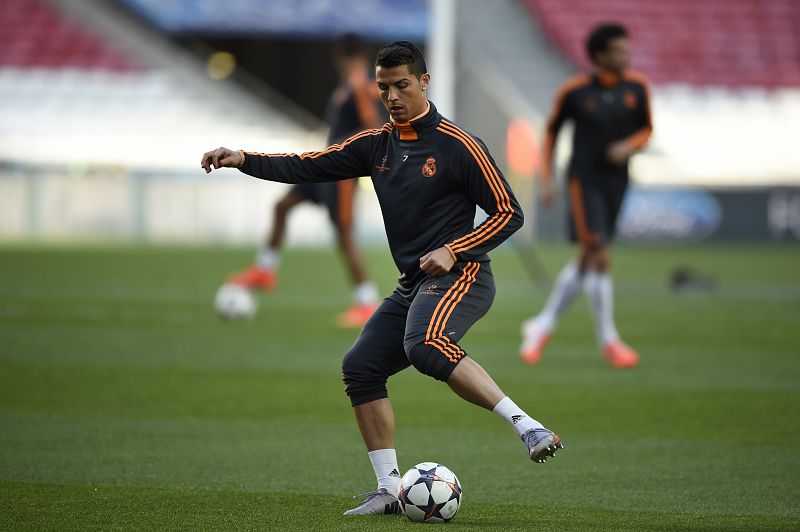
column 221, row 157
column 352, row 158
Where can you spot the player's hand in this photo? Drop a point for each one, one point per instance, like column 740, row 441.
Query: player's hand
column 619, row 152
column 547, row 193
column 437, row 262
column 221, row 157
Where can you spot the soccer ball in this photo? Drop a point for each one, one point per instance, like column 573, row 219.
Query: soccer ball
column 234, row 302
column 430, row 493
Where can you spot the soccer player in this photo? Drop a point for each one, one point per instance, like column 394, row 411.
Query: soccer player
column 429, row 175
column 353, row 106
column 611, row 112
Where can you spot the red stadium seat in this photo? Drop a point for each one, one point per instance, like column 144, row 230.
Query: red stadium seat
column 710, row 42
column 34, row 35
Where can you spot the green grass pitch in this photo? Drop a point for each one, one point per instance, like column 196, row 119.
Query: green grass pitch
column 126, row 404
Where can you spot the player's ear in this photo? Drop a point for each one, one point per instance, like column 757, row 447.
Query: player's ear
column 425, row 80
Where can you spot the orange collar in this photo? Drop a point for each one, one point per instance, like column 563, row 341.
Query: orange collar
column 406, row 129
column 607, row 78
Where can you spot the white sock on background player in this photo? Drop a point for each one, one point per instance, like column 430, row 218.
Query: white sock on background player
column 365, row 293
column 268, row 258
column 515, row 416
column 384, row 462
column 599, row 290
column 565, row 290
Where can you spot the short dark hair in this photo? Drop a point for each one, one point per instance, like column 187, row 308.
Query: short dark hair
column 601, row 36
column 400, row 53
column 349, row 45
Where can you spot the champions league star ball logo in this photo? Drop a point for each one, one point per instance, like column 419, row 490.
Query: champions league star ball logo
column 429, row 169
column 382, row 167
column 430, row 493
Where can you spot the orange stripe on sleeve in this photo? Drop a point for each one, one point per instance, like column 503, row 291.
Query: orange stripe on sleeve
column 550, row 133
column 488, row 170
column 547, row 155
column 498, row 220
column 339, row 147
column 640, row 138
column 335, row 147
column 635, row 75
column 488, row 229
column 475, row 236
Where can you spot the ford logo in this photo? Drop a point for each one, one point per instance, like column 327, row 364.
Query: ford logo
column 661, row 213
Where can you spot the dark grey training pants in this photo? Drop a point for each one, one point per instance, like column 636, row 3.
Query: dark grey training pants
column 420, row 330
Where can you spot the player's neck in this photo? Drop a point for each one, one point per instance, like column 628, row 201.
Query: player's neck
column 421, row 124
column 417, row 116
column 607, row 77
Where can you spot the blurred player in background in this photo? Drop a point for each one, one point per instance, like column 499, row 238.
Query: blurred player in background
column 611, row 112
column 429, row 176
column 353, row 106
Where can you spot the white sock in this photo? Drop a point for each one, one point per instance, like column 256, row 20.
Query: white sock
column 384, row 462
column 515, row 416
column 268, row 258
column 565, row 290
column 600, row 291
column 365, row 293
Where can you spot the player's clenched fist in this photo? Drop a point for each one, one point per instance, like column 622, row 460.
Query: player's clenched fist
column 437, row 262
column 222, row 157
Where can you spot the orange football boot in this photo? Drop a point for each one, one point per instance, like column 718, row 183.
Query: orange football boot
column 620, row 355
column 357, row 315
column 255, row 278
column 534, row 340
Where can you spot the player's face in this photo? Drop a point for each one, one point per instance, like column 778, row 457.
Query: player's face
column 401, row 92
column 617, row 57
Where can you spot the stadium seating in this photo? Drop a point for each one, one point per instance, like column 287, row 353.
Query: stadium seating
column 734, row 43
column 103, row 124
column 64, row 88
column 34, row 35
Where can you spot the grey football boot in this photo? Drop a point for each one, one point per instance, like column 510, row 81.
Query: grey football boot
column 376, row 503
column 542, row 444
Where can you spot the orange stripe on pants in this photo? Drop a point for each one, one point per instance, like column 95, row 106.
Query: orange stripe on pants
column 586, row 237
column 444, row 310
